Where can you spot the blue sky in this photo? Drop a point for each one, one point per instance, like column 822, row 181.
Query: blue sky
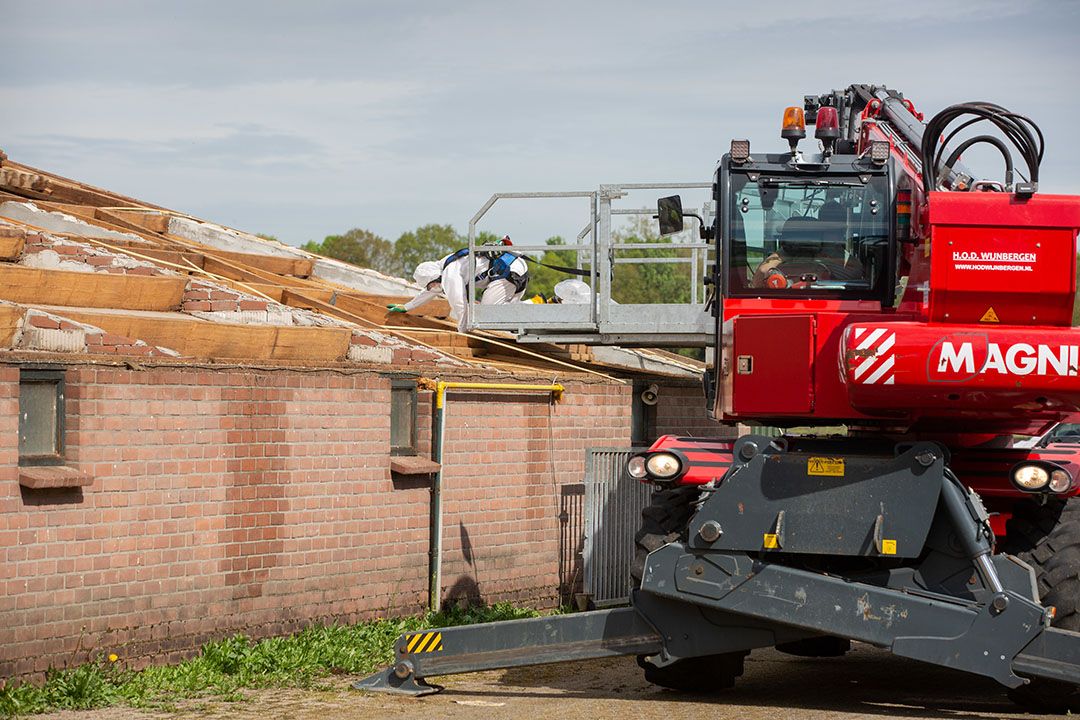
column 306, row 119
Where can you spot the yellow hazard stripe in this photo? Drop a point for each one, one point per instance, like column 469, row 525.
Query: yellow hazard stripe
column 424, row 643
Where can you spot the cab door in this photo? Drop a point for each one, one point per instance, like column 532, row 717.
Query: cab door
column 771, row 365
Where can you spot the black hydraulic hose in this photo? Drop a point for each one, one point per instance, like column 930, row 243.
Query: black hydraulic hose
column 996, row 142
column 1021, row 131
column 949, row 138
column 1038, row 132
column 1017, row 140
column 1024, row 128
column 969, row 532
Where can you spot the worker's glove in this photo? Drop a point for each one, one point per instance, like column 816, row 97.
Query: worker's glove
column 395, row 308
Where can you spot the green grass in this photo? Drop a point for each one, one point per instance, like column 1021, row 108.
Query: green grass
column 225, row 667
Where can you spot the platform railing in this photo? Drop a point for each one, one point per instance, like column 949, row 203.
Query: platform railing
column 603, row 321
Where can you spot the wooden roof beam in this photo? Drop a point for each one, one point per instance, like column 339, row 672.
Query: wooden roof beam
column 12, row 241
column 149, row 220
column 196, row 338
column 269, row 263
column 10, row 319
column 90, row 289
column 377, row 313
column 41, row 185
column 103, row 220
column 301, row 299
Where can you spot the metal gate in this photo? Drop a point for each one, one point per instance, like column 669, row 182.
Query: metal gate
column 613, row 505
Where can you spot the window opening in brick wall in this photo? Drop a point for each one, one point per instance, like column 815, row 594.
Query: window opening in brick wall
column 402, row 417
column 41, row 417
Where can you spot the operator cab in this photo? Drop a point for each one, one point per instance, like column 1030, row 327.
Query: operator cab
column 794, row 232
column 806, row 241
column 794, row 225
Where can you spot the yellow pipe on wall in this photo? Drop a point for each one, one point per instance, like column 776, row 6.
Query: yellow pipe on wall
column 440, row 387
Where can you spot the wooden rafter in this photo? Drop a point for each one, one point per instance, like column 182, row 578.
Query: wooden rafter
column 90, row 289
column 10, row 318
column 300, row 299
column 197, row 338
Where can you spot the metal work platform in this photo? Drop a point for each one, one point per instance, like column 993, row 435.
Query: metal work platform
column 604, row 321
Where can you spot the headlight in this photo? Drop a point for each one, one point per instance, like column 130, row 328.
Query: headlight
column 1042, row 476
column 663, row 465
column 1031, row 478
column 635, row 467
column 1060, row 481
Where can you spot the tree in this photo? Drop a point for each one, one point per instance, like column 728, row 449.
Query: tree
column 358, row 247
column 428, row 242
column 667, row 282
column 632, row 283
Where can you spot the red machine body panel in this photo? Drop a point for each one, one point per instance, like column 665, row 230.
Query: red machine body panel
column 1019, row 379
column 707, row 458
column 776, row 352
column 996, row 258
column 774, row 364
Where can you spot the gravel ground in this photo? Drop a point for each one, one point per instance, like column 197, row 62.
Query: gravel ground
column 865, row 683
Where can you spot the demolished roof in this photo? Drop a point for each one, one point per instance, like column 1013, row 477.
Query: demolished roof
column 89, row 272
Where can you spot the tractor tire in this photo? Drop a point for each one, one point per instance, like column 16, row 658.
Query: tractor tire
column 705, row 674
column 662, row 522
column 1047, row 537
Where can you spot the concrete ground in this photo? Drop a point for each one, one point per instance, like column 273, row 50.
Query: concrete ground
column 865, row 683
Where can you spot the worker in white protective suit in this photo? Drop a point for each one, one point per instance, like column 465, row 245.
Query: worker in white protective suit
column 500, row 273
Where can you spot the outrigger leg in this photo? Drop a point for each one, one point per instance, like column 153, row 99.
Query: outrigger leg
column 513, row 643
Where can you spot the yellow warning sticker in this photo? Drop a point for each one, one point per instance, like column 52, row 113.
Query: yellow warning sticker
column 423, row 642
column 989, row 316
column 825, row 466
column 888, row 547
column 771, row 542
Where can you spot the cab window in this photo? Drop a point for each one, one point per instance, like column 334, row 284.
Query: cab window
column 815, row 236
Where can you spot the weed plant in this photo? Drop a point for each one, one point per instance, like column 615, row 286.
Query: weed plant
column 224, row 668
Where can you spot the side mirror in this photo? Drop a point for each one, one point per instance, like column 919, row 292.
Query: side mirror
column 669, row 212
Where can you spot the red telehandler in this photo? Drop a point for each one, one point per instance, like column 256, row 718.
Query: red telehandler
column 921, row 319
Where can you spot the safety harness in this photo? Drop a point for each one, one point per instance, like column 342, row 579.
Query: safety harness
column 498, row 268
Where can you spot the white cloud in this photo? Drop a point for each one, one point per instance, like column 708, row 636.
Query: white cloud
column 161, row 114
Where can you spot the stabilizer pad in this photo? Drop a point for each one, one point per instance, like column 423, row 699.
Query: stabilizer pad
column 387, row 681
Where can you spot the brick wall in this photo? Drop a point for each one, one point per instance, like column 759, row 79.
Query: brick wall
column 680, row 410
column 262, row 500
column 45, row 251
column 502, row 494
